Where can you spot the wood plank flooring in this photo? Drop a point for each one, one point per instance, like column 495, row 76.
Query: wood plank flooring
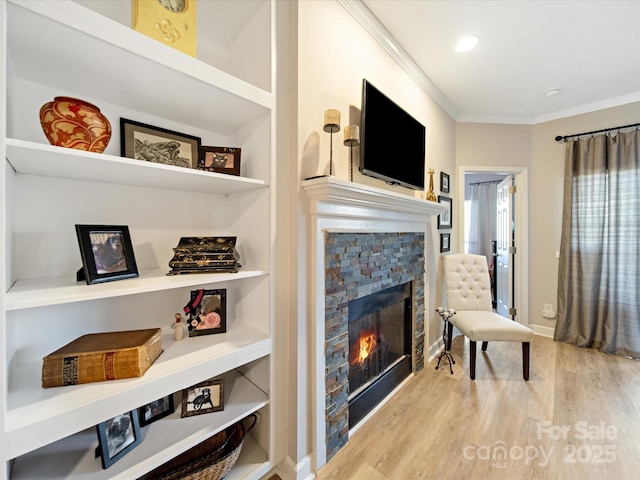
column 578, row 417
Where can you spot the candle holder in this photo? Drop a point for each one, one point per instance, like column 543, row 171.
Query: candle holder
column 351, row 139
column 446, row 315
column 331, row 125
column 430, row 195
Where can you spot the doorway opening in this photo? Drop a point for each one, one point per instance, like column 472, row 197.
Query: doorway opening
column 518, row 283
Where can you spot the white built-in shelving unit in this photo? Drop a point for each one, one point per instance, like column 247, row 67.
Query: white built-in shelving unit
column 226, row 96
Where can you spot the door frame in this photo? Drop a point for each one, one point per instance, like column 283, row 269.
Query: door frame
column 521, row 218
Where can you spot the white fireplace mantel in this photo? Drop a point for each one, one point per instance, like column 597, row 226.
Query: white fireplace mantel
column 332, row 197
column 340, row 206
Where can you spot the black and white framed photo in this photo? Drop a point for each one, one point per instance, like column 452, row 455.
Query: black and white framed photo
column 444, row 182
column 156, row 410
column 202, row 398
column 207, row 312
column 107, row 253
column 220, row 160
column 445, row 218
column 158, row 145
column 117, row 437
column 445, row 240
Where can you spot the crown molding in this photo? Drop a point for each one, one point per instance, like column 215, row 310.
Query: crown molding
column 371, row 24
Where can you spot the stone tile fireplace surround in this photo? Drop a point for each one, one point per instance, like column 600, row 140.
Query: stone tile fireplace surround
column 346, row 219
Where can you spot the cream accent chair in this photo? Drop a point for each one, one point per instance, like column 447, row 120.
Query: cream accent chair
column 468, row 291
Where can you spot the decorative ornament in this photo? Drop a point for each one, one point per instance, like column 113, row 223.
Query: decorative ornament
column 430, row 195
column 178, row 327
column 74, row 123
column 172, row 22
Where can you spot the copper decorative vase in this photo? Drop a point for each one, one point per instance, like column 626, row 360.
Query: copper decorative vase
column 73, row 123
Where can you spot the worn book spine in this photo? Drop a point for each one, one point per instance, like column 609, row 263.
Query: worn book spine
column 74, row 369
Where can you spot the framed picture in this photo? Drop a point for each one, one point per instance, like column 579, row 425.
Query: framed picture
column 158, row 145
column 117, row 437
column 445, row 218
column 107, row 253
column 153, row 411
column 219, row 159
column 444, row 182
column 207, row 311
column 205, row 397
column 445, row 239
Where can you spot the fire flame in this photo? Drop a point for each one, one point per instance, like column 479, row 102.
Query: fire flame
column 367, row 344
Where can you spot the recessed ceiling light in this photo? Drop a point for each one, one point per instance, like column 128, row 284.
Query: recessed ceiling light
column 552, row 92
column 467, row 43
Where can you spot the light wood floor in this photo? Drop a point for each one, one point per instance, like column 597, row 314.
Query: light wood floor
column 443, row 426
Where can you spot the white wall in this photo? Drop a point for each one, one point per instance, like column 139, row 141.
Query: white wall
column 334, row 54
column 534, row 147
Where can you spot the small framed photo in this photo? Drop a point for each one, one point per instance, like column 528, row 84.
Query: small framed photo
column 220, row 160
column 445, row 239
column 107, row 253
column 117, row 437
column 158, row 145
column 207, row 311
column 205, row 397
column 444, row 182
column 153, row 411
column 445, row 218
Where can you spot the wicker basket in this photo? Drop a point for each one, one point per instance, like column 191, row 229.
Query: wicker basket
column 209, row 460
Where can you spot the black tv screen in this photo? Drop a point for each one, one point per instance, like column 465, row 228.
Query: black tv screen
column 392, row 141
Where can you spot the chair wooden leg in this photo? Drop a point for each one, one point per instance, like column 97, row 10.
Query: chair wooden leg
column 484, row 346
column 526, row 351
column 472, row 360
column 449, row 335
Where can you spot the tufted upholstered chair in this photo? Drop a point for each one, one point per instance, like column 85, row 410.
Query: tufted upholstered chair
column 468, row 292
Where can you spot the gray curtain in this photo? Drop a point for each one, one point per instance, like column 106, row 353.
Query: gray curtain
column 599, row 271
column 482, row 218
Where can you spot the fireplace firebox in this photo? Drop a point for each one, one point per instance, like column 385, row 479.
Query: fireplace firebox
column 379, row 332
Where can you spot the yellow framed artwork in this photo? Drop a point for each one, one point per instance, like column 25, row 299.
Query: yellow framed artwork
column 172, row 22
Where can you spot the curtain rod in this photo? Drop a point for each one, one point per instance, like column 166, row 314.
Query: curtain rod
column 482, row 183
column 566, row 137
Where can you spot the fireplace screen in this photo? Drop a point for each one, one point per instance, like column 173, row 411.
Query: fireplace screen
column 379, row 335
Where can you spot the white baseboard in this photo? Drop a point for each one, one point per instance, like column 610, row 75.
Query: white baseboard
column 543, row 331
column 290, row 470
column 434, row 350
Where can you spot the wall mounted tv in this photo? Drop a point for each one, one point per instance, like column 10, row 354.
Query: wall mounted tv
column 392, row 141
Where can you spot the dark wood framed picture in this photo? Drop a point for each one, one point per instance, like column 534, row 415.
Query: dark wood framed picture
column 444, row 182
column 156, row 410
column 219, row 160
column 158, row 145
column 445, row 218
column 117, row 437
column 207, row 312
column 107, row 253
column 445, row 240
column 205, row 397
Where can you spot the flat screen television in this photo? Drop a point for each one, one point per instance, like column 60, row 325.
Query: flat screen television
column 392, row 141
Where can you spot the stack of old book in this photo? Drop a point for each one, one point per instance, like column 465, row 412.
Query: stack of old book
column 205, row 255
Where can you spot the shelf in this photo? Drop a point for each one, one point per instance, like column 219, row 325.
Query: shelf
column 37, row 416
column 73, row 457
column 146, row 69
column 27, row 158
column 56, row 291
column 63, row 48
